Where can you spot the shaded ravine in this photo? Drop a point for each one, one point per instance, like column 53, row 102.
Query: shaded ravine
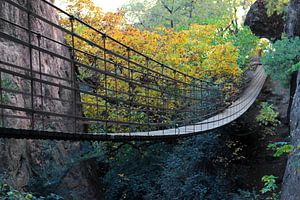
column 224, row 164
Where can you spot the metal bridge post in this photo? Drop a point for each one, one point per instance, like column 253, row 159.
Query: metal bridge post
column 195, row 102
column 163, row 98
column 30, row 64
column 147, row 94
column 130, row 90
column 1, row 98
column 201, row 100
column 105, row 82
column 73, row 73
column 175, row 100
column 187, row 107
column 116, row 95
column 96, row 92
column 41, row 84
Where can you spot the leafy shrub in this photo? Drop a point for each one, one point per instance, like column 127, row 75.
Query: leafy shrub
column 262, row 45
column 269, row 186
column 187, row 170
column 276, row 6
column 8, row 193
column 267, row 115
column 282, row 58
column 281, row 148
column 246, row 42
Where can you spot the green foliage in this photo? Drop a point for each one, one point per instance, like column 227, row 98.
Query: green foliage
column 269, row 184
column 282, row 58
column 180, row 13
column 169, row 171
column 294, row 68
column 262, row 46
column 246, row 43
column 280, row 148
column 276, row 6
column 267, row 115
column 8, row 193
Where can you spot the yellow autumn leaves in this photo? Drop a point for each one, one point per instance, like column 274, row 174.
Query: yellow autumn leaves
column 193, row 51
column 190, row 51
column 200, row 51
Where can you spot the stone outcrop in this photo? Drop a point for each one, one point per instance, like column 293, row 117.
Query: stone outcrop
column 293, row 19
column 291, row 182
column 19, row 55
column 41, row 166
column 264, row 26
column 272, row 28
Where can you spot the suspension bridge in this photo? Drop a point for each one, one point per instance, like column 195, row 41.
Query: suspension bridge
column 69, row 87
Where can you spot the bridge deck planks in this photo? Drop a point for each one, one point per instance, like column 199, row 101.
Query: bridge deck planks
column 234, row 111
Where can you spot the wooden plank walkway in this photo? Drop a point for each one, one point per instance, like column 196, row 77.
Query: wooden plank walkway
column 234, row 111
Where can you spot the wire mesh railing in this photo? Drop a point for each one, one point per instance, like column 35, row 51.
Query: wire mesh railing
column 61, row 81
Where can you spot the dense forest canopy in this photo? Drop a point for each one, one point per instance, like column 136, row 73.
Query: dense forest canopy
column 180, row 14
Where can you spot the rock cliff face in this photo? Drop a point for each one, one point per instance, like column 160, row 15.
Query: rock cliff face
column 261, row 24
column 291, row 182
column 40, row 166
column 273, row 27
column 290, row 187
column 293, row 19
